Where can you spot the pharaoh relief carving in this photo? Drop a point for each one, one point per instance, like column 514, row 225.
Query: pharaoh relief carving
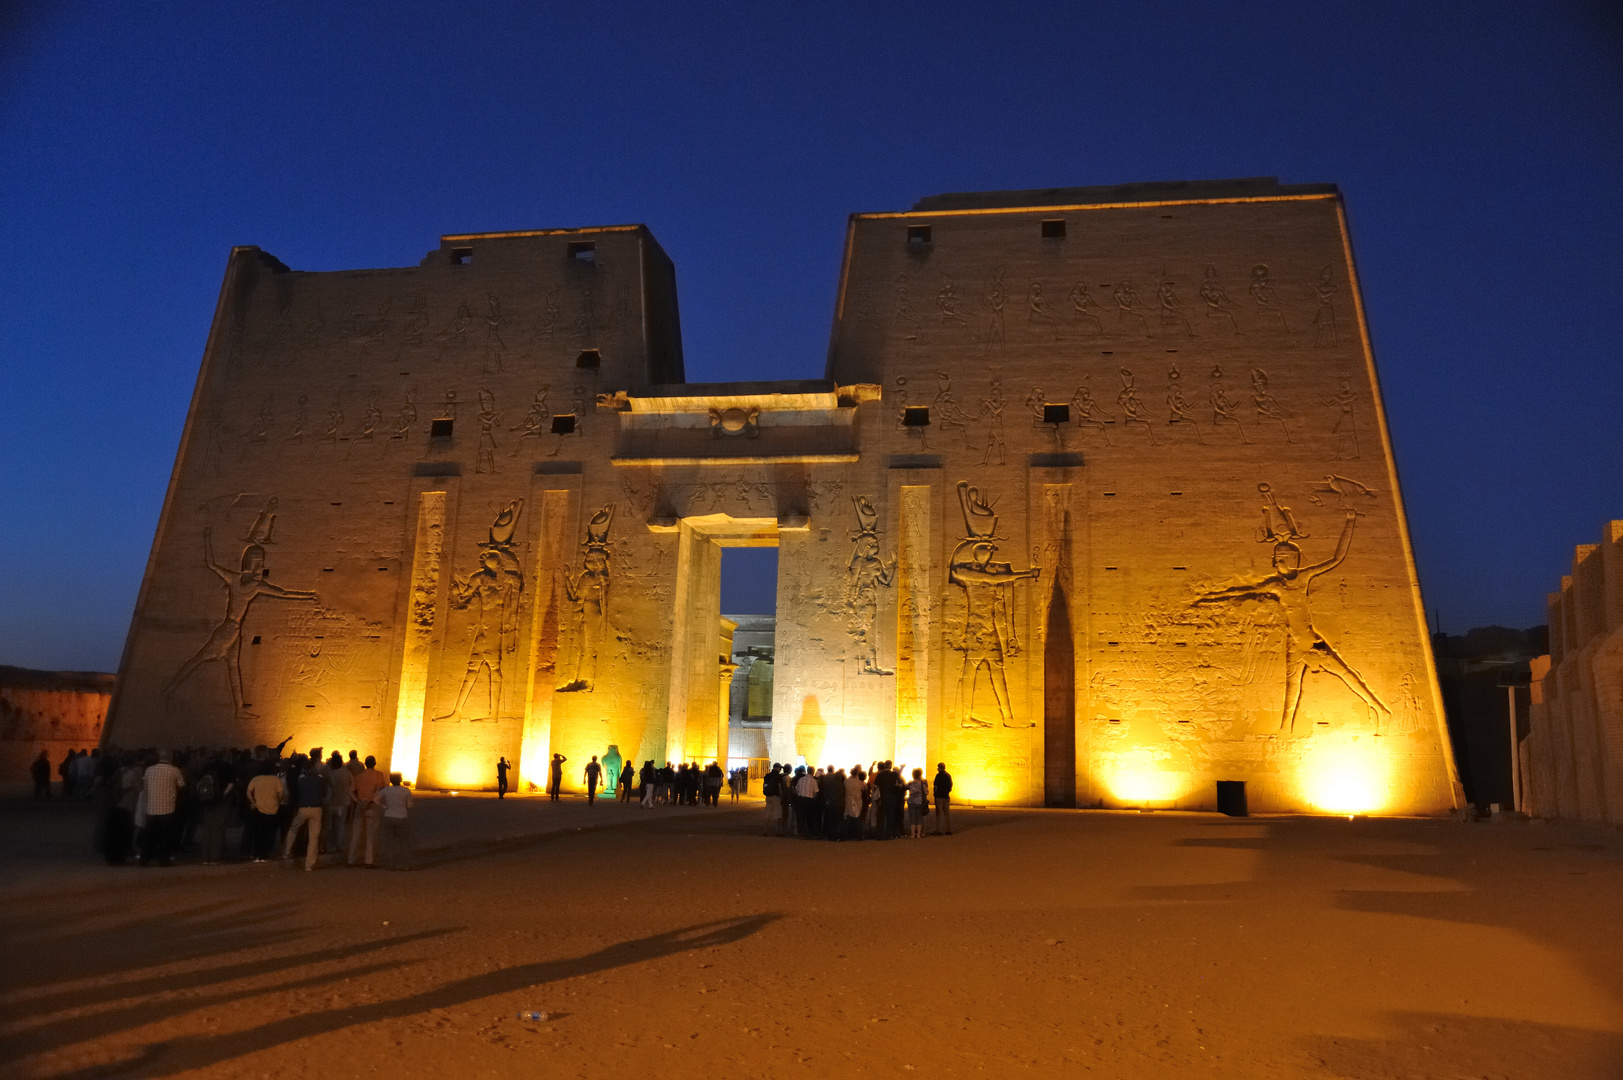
column 906, row 320
column 1323, row 292
column 259, row 431
column 1171, row 309
column 335, row 423
column 536, row 422
column 1346, row 426
column 866, row 573
column 1270, row 309
column 1219, row 308
column 992, row 406
column 989, row 628
column 243, row 586
column 301, row 417
column 1177, row 406
column 1268, row 407
column 1225, row 410
column 1085, row 309
column 488, row 419
column 405, row 419
column 1130, row 312
column 996, row 297
column 945, row 412
column 455, row 334
column 1132, row 409
column 951, row 305
column 1037, row 313
column 546, row 324
column 495, row 348
column 415, row 326
column 1088, row 415
column 588, row 591
column 1306, row 648
column 491, row 594
column 367, row 429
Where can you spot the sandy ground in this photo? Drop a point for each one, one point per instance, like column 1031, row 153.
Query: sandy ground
column 682, row 943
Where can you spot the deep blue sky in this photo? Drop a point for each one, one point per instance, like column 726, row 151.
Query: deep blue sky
column 1478, row 145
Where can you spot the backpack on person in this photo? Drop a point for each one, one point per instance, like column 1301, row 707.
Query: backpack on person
column 208, row 788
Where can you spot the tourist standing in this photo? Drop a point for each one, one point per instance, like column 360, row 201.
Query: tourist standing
column 628, row 782
column 943, row 799
column 890, row 800
column 917, row 803
column 340, row 802
column 712, row 783
column 555, row 778
column 265, row 798
column 41, row 772
column 650, row 782
column 396, row 802
column 772, row 788
column 594, row 773
column 216, row 784
column 311, row 790
column 363, row 837
column 501, row 777
column 161, row 785
column 854, row 783
column 118, row 837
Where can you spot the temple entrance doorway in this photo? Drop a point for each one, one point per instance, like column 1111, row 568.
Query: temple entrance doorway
column 703, row 665
column 749, row 603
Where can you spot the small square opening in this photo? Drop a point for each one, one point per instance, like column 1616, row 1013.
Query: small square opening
column 916, row 416
column 919, row 236
column 461, row 256
column 563, row 424
column 1054, row 229
column 1056, row 414
column 256, row 639
column 590, row 359
column 583, row 251
column 440, row 429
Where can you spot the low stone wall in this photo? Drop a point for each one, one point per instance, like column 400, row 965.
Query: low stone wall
column 53, row 711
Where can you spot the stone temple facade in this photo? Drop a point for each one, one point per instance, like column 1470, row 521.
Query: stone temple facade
column 1095, row 502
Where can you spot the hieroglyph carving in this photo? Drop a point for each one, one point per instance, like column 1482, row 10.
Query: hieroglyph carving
column 243, row 586
column 589, row 592
column 1346, row 426
column 488, row 419
column 1306, row 649
column 866, row 573
column 988, row 636
column 492, row 593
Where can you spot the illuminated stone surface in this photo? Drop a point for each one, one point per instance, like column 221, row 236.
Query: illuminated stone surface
column 1098, row 513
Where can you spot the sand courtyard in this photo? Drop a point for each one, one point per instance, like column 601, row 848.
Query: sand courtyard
column 682, row 942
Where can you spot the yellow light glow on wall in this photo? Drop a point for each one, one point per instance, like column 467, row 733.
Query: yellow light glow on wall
column 1346, row 776
column 1139, row 778
column 465, row 771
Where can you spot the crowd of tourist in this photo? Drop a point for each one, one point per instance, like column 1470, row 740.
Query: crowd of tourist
column 879, row 803
column 155, row 804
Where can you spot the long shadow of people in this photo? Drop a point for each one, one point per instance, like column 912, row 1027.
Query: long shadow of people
column 199, row 1051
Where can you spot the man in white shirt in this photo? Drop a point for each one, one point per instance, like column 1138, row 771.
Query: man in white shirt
column 396, row 800
column 161, row 786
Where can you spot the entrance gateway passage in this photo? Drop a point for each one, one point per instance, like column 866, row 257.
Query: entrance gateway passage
column 1095, row 502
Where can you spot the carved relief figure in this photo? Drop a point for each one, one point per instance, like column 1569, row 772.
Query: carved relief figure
column 243, row 586
column 992, row 409
column 1171, row 309
column 1085, row 309
column 1324, row 319
column 1224, row 410
column 1268, row 406
column 1262, row 291
column 370, row 419
column 335, row 420
column 411, row 334
column 1306, row 649
column 1037, row 312
column 495, row 348
column 996, row 297
column 1176, row 404
column 405, row 419
column 1034, row 404
column 988, row 632
column 1132, row 409
column 536, row 421
column 492, row 594
column 1128, row 308
column 951, row 305
column 589, row 591
column 259, row 431
column 1218, row 305
column 301, row 416
column 1084, row 410
column 546, row 324
column 865, row 574
column 907, row 320
column 946, row 412
column 1346, row 426
column 488, row 419
column 586, row 317
column 264, row 527
column 455, row 333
